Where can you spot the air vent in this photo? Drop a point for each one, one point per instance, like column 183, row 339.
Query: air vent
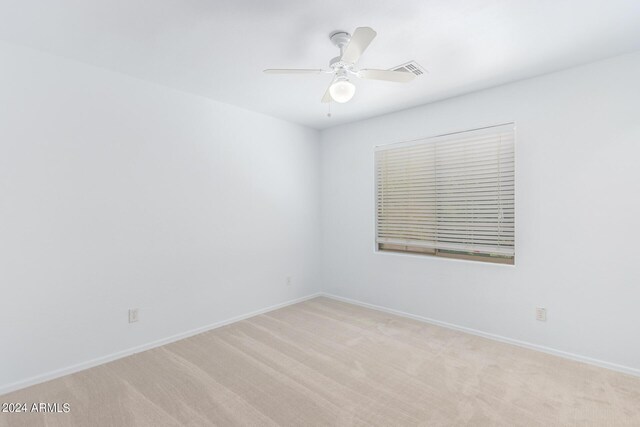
column 411, row 67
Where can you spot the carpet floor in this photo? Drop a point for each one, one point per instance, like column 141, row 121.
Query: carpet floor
column 327, row 363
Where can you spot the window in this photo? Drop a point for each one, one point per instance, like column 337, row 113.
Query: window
column 449, row 196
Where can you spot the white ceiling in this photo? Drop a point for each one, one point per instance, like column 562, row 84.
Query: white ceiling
column 218, row 48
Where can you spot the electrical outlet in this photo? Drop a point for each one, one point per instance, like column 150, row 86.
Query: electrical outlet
column 133, row 315
column 541, row 314
column 289, row 280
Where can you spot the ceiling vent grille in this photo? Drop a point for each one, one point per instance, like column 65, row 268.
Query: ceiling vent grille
column 411, row 67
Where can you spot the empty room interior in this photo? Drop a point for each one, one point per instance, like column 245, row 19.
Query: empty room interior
column 304, row 213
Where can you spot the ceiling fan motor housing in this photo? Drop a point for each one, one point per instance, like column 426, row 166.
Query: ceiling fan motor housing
column 337, row 64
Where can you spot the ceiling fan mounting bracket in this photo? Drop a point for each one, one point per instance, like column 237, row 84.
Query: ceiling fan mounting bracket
column 340, row 38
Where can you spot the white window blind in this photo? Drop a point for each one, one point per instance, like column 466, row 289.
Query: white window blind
column 452, row 193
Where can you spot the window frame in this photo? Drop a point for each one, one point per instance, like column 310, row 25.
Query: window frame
column 423, row 252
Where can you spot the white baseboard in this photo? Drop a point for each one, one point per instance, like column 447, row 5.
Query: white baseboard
column 148, row 346
column 124, row 353
column 584, row 359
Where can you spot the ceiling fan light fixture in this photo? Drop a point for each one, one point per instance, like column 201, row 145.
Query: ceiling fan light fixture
column 342, row 90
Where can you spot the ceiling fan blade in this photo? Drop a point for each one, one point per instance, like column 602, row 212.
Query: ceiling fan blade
column 359, row 42
column 327, row 95
column 291, row 71
column 388, row 75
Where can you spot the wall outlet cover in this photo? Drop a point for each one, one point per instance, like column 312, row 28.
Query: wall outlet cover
column 133, row 315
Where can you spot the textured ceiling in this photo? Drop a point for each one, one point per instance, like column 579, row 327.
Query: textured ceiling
column 218, row 49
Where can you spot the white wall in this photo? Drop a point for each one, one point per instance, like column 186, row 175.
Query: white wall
column 577, row 210
column 117, row 193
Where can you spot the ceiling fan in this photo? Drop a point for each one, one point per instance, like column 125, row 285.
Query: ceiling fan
column 343, row 66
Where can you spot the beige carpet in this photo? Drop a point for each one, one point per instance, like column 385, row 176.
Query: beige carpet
column 324, row 363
